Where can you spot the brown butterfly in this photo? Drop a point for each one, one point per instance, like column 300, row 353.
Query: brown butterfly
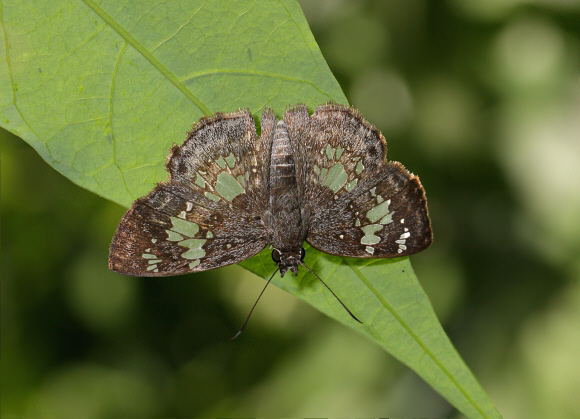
column 320, row 178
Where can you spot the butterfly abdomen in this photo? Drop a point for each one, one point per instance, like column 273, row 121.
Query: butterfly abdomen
column 287, row 231
column 282, row 165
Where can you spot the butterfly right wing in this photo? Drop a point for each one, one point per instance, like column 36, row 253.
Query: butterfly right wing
column 209, row 213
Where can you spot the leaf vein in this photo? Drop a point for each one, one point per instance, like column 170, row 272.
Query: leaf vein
column 111, row 105
column 209, row 73
column 147, row 55
column 188, row 21
column 416, row 338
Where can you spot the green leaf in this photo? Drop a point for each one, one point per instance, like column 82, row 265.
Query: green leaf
column 395, row 312
column 102, row 90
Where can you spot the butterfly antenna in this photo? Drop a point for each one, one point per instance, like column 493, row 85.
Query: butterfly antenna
column 328, row 288
column 254, row 306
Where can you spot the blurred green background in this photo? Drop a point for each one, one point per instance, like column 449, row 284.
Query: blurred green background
column 481, row 99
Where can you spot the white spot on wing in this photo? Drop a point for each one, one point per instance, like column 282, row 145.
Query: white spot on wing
column 402, row 240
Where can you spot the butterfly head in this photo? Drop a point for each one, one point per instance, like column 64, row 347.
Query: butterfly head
column 288, row 260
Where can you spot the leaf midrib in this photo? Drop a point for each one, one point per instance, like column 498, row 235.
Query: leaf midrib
column 170, row 76
column 147, row 55
column 416, row 338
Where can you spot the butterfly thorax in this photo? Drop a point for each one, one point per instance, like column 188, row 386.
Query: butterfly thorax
column 284, row 224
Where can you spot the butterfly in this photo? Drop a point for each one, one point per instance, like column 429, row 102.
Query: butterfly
column 320, row 178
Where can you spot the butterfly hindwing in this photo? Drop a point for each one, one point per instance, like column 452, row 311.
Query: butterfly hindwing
column 208, row 214
column 385, row 217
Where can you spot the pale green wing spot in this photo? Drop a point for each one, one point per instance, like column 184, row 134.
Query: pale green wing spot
column 228, row 187
column 195, row 248
column 317, row 170
column 153, row 240
column 194, row 264
column 323, row 172
column 359, row 167
column 329, row 152
column 378, row 212
column 172, row 236
column 148, row 256
column 209, row 235
column 379, row 199
column 339, row 151
column 387, row 219
column 151, row 267
column 231, row 160
column 221, row 162
column 200, row 181
column 350, row 185
column 154, row 261
column 186, row 228
column 357, row 223
column 241, row 180
column 369, row 237
column 336, row 177
column 211, row 196
column 370, row 249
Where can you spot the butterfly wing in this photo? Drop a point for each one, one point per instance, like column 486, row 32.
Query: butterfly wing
column 384, row 216
column 355, row 203
column 208, row 214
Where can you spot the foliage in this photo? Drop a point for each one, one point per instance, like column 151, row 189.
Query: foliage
column 102, row 91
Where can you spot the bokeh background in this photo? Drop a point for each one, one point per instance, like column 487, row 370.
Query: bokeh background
column 479, row 98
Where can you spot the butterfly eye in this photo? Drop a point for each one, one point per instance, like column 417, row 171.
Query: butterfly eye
column 276, row 256
column 302, row 254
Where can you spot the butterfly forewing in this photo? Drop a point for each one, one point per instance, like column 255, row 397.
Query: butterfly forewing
column 208, row 214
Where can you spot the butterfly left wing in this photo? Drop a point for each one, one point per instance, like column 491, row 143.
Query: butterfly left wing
column 384, row 216
column 208, row 214
column 354, row 203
